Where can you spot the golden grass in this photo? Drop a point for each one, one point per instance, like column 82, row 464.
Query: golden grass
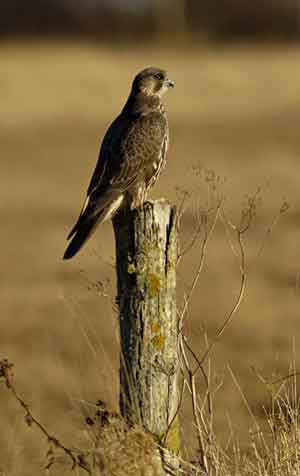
column 233, row 110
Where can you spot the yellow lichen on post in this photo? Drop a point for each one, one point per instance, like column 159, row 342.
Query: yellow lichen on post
column 155, row 327
column 171, row 439
column 131, row 268
column 154, row 284
column 158, row 341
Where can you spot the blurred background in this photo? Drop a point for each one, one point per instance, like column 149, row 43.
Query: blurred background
column 118, row 19
column 65, row 72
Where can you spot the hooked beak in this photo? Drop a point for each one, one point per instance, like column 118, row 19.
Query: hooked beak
column 169, row 83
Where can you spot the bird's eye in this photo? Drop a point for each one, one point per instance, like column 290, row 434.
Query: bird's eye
column 159, row 76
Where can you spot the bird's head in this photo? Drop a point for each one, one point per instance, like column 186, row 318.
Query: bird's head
column 152, row 82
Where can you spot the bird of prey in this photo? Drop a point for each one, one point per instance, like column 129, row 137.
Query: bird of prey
column 131, row 157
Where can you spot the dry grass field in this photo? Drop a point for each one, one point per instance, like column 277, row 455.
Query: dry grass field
column 235, row 111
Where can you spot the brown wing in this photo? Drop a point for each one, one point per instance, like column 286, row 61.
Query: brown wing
column 129, row 150
column 105, row 154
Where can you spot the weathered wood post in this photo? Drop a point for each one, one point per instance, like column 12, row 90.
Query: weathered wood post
column 146, row 251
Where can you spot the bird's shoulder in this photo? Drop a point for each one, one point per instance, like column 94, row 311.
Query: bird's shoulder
column 110, row 142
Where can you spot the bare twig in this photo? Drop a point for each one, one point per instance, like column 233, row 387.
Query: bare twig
column 191, row 243
column 203, row 461
column 244, row 399
column 190, row 383
column 283, row 209
column 237, row 303
column 205, row 242
column 77, row 458
column 181, row 206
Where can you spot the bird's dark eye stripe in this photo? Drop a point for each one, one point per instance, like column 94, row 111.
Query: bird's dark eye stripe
column 159, row 76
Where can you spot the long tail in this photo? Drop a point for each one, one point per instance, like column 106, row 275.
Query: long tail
column 89, row 219
column 81, row 236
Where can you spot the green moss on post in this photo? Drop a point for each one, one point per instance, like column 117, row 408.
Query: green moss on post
column 146, row 250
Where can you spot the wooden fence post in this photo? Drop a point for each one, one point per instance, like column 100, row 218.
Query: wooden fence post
column 146, row 251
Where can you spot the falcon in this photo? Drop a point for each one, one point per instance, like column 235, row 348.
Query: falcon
column 132, row 155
